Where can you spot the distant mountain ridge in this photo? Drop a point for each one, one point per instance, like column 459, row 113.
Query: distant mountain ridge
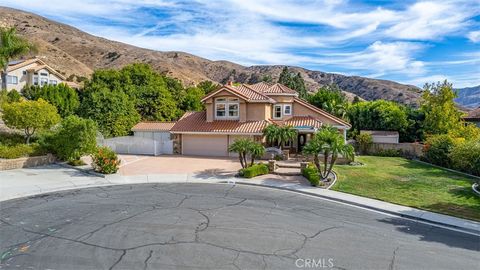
column 74, row 52
column 469, row 97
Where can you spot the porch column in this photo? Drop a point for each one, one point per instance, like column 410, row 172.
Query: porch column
column 345, row 135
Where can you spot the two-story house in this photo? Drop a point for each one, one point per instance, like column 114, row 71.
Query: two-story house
column 32, row 71
column 239, row 111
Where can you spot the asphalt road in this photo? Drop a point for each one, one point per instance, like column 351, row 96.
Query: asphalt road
column 217, row 226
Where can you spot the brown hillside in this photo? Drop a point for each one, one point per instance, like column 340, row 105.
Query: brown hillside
column 72, row 51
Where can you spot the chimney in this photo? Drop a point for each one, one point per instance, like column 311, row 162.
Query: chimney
column 229, row 83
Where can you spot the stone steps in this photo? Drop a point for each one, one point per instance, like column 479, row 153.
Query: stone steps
column 287, row 171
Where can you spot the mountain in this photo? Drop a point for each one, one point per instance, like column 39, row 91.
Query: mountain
column 469, row 97
column 73, row 52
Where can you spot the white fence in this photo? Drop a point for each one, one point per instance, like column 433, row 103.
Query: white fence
column 138, row 145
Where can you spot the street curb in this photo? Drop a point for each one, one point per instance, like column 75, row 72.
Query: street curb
column 91, row 172
column 410, row 217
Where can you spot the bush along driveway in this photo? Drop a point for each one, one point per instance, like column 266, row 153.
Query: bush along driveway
column 410, row 183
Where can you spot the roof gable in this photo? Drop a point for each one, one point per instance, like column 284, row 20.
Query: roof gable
column 322, row 112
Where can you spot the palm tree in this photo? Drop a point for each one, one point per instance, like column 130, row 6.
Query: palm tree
column 245, row 147
column 286, row 133
column 241, row 146
column 11, row 47
column 330, row 143
column 278, row 135
column 256, row 151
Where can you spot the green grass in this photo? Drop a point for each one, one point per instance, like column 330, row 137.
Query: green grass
column 410, row 183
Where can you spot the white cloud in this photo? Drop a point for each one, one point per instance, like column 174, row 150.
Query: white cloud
column 474, row 36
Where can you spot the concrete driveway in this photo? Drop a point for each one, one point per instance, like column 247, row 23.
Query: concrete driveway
column 172, row 164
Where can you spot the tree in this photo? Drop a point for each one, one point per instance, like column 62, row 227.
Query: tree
column 63, row 97
column 277, row 135
column 241, row 147
column 330, row 99
column 245, row 147
column 329, row 143
column 74, row 138
column 207, row 86
column 30, row 116
column 257, row 150
column 437, row 103
column 293, row 81
column 192, row 100
column 11, row 47
column 377, row 115
column 113, row 111
column 152, row 94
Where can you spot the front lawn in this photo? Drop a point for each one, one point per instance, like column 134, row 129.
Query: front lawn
column 407, row 182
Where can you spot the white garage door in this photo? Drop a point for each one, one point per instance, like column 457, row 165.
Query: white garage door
column 205, row 145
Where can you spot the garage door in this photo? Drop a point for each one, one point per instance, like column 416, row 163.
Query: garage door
column 232, row 139
column 205, row 145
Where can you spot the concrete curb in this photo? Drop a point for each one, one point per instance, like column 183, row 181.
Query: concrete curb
column 382, row 210
column 87, row 171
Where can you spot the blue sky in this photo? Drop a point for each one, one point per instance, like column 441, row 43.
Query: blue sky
column 411, row 42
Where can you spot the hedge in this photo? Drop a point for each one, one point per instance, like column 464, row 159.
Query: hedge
column 20, row 150
column 255, row 170
column 311, row 173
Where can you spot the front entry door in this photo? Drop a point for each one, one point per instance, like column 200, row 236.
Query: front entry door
column 301, row 140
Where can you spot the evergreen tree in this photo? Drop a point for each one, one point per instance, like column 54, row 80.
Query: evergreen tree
column 293, row 81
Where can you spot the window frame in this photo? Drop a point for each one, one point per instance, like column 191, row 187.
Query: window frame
column 290, row 109
column 43, row 81
column 227, row 104
column 275, row 111
column 10, row 79
column 53, row 82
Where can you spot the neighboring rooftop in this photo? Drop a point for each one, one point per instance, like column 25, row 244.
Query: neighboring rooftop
column 473, row 115
column 153, row 126
column 380, row 132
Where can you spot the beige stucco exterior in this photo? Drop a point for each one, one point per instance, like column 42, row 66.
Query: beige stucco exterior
column 299, row 109
column 25, row 75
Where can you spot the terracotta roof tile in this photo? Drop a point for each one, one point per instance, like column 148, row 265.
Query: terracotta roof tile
column 249, row 92
column 299, row 121
column 275, row 88
column 475, row 114
column 153, row 126
column 197, row 122
column 313, row 108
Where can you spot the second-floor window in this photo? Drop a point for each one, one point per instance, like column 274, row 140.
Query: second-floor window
column 53, row 82
column 43, row 81
column 277, row 111
column 227, row 108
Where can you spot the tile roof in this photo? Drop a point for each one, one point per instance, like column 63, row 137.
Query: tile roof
column 251, row 94
column 153, row 126
column 197, row 122
column 299, row 121
column 276, row 88
column 243, row 92
column 320, row 111
column 475, row 114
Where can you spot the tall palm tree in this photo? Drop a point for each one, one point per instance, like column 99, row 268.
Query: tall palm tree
column 256, row 151
column 241, row 146
column 11, row 47
column 329, row 143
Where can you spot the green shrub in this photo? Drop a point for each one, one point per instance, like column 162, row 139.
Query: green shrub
column 105, row 161
column 21, row 150
column 465, row 156
column 74, row 138
column 11, row 139
column 388, row 153
column 255, row 170
column 437, row 149
column 77, row 162
column 311, row 173
column 13, row 96
column 364, row 141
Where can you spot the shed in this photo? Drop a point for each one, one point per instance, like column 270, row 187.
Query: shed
column 380, row 136
column 159, row 131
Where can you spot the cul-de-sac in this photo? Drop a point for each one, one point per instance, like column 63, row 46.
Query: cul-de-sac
column 240, row 135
